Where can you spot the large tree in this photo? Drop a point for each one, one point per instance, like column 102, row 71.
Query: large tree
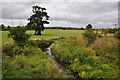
column 89, row 26
column 38, row 19
column 2, row 26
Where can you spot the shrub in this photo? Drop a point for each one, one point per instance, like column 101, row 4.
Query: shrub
column 90, row 35
column 80, row 41
column 112, row 30
column 106, row 31
column 89, row 26
column 83, row 61
column 30, row 47
column 117, row 34
column 106, row 45
column 8, row 48
column 19, row 35
column 88, row 51
column 43, row 44
column 31, row 66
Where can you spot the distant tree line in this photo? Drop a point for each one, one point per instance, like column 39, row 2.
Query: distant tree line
column 65, row 28
column 3, row 27
column 89, row 26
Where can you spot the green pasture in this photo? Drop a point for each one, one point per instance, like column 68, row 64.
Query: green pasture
column 47, row 34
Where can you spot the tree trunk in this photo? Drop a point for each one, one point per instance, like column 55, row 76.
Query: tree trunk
column 39, row 32
column 35, row 32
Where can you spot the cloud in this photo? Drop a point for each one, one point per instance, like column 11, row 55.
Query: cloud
column 71, row 13
column 60, row 0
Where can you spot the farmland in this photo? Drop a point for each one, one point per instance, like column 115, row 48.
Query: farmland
column 47, row 34
column 72, row 50
column 60, row 40
column 20, row 63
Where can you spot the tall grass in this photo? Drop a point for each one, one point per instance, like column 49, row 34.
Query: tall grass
column 106, row 45
column 80, row 41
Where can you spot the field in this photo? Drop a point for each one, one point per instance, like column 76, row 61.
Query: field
column 47, row 34
column 78, row 58
column 27, row 62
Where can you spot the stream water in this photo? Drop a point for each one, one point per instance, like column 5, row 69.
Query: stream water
column 49, row 54
column 59, row 65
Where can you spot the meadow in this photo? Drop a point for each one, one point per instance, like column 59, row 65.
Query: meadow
column 47, row 34
column 22, row 66
column 98, row 59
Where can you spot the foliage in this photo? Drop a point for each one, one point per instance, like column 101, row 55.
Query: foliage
column 11, row 49
column 19, row 35
column 112, row 30
column 90, row 35
column 8, row 27
column 65, row 28
column 89, row 26
column 117, row 34
column 80, row 41
column 106, row 31
column 43, row 44
column 28, row 62
column 2, row 27
column 106, row 45
column 38, row 19
column 83, row 61
column 32, row 66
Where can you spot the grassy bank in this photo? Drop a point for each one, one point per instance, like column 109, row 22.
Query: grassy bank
column 98, row 60
column 28, row 62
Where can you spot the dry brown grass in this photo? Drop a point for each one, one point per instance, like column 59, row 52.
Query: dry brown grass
column 106, row 45
column 80, row 41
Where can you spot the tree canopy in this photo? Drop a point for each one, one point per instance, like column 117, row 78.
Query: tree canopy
column 89, row 26
column 38, row 19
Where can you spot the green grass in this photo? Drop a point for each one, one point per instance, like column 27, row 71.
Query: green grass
column 47, row 34
column 36, row 65
column 28, row 62
column 84, row 61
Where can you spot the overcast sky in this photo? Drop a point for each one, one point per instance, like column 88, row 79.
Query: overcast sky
column 68, row 13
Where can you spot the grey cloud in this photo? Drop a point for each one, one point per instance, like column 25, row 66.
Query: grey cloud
column 16, row 10
column 66, row 13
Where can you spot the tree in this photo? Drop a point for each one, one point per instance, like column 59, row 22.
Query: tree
column 8, row 27
column 19, row 35
column 117, row 34
column 106, row 31
column 89, row 26
column 3, row 27
column 90, row 35
column 38, row 19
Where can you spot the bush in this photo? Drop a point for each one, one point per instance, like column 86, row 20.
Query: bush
column 30, row 47
column 80, row 41
column 28, row 62
column 117, row 34
column 90, row 36
column 12, row 50
column 7, row 47
column 19, row 35
column 31, row 66
column 106, row 45
column 43, row 44
column 112, row 30
column 83, row 61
